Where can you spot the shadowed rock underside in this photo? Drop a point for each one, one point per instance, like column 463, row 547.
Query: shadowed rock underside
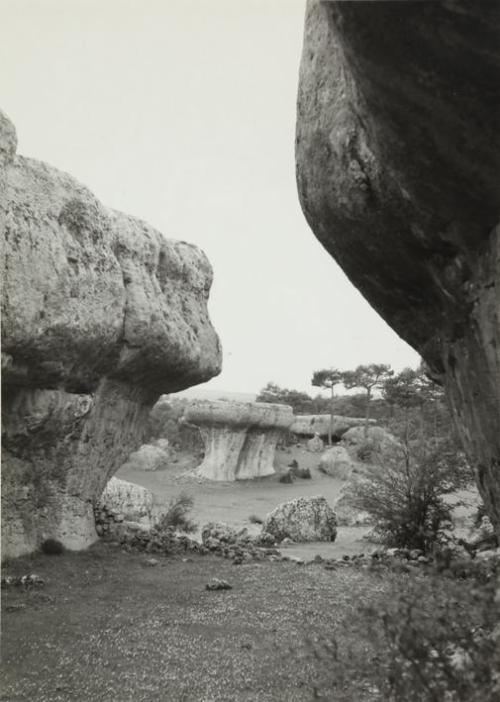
column 398, row 164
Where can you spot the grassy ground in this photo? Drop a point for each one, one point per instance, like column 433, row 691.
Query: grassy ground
column 107, row 627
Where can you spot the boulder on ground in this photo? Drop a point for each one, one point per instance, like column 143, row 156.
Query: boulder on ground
column 132, row 501
column 150, row 457
column 302, row 519
column 337, row 463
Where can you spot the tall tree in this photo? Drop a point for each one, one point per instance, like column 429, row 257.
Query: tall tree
column 300, row 402
column 369, row 377
column 328, row 378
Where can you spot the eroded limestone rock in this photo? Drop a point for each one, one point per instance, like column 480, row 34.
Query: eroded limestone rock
column 240, row 437
column 132, row 501
column 398, row 156
column 312, row 424
column 100, row 315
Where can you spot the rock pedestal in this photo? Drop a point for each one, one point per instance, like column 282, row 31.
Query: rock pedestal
column 240, row 437
column 100, row 315
column 398, row 157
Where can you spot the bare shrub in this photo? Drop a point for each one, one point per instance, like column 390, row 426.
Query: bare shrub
column 404, row 492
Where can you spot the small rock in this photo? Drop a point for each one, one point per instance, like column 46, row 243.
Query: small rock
column 216, row 584
column 151, row 562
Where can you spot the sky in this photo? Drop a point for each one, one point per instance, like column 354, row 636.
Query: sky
column 182, row 113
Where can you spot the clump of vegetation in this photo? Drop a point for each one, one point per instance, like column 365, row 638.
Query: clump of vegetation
column 52, row 547
column 176, row 518
column 405, row 494
column 430, row 638
column 255, row 519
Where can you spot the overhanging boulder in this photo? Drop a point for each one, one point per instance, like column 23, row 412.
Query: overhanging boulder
column 398, row 161
column 311, row 424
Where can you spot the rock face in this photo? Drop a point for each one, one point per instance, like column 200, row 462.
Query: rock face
column 100, row 315
column 337, row 463
column 240, row 437
column 398, row 157
column 302, row 519
column 312, row 424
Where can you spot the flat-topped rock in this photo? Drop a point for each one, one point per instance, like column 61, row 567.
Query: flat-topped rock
column 240, row 437
column 100, row 315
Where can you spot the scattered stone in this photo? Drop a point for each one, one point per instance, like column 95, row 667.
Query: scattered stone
column 336, row 463
column 25, row 581
column 315, row 444
column 286, row 478
column 151, row 562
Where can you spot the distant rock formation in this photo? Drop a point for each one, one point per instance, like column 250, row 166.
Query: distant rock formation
column 398, row 162
column 100, row 315
column 311, row 424
column 240, row 437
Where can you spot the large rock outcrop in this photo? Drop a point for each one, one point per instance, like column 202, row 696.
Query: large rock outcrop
column 100, row 314
column 398, row 162
column 312, row 424
column 240, row 437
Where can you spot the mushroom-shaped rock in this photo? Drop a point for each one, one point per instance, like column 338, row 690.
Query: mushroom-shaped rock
column 100, row 315
column 302, row 519
column 240, row 437
column 311, row 424
column 398, row 158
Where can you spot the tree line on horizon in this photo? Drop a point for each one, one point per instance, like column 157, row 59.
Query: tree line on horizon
column 409, row 391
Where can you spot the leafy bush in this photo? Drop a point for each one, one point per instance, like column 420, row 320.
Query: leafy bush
column 404, row 493
column 176, row 517
column 255, row 519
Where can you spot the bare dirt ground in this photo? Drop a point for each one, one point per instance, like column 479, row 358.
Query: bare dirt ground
column 108, row 628
column 235, row 502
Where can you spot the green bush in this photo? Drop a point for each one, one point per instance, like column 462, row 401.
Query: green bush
column 176, row 518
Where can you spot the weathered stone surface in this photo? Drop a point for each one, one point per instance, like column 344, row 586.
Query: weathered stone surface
column 398, row 156
column 149, row 457
column 337, row 463
column 240, row 437
column 100, row 314
column 311, row 424
column 132, row 501
column 303, row 519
